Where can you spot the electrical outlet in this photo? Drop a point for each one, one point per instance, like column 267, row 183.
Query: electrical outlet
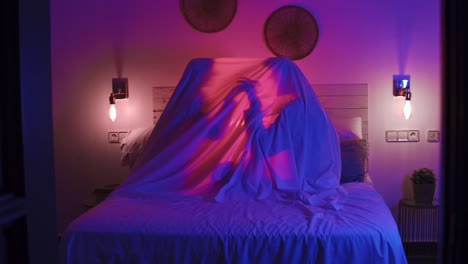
column 113, row 137
column 413, row 135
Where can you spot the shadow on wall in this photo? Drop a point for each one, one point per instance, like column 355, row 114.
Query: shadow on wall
column 407, row 187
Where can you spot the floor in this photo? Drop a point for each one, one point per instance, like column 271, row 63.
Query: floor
column 421, row 252
column 422, row 260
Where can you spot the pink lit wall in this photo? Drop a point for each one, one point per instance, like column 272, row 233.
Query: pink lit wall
column 150, row 43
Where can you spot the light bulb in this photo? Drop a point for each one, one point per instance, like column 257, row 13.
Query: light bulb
column 407, row 109
column 112, row 112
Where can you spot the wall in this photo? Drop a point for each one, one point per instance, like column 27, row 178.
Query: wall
column 150, row 43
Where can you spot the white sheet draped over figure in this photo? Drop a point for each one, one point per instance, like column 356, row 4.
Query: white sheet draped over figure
column 239, row 129
column 243, row 167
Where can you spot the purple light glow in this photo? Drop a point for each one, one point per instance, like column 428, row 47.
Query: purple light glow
column 405, row 24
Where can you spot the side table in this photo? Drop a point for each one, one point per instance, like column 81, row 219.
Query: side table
column 418, row 225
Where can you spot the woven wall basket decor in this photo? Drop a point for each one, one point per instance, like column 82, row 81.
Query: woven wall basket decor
column 291, row 31
column 209, row 16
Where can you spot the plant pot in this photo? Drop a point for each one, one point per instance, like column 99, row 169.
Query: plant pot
column 423, row 193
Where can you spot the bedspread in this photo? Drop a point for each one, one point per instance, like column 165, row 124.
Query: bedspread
column 128, row 230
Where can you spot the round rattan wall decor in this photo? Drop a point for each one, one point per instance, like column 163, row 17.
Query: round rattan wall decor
column 291, row 31
column 209, row 16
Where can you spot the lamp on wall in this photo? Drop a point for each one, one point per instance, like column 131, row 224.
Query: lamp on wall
column 401, row 87
column 119, row 91
column 112, row 110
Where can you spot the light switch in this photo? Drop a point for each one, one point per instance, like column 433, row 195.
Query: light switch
column 391, row 135
column 122, row 135
column 433, row 136
column 403, row 135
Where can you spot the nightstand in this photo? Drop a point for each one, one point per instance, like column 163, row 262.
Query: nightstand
column 99, row 195
column 418, row 230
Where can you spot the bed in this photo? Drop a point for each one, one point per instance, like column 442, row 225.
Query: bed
column 244, row 165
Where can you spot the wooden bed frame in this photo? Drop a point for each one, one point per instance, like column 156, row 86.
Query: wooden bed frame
column 339, row 100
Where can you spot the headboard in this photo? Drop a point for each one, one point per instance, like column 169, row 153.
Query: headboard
column 339, row 100
column 345, row 100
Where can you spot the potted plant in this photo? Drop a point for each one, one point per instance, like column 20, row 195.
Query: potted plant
column 423, row 180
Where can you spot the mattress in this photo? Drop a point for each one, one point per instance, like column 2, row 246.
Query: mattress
column 135, row 230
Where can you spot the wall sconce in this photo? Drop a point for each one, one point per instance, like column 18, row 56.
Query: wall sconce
column 401, row 87
column 119, row 91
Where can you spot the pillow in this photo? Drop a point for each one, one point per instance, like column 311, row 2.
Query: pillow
column 132, row 145
column 348, row 128
column 354, row 160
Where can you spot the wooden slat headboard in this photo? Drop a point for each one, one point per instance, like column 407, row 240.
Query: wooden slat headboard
column 339, row 100
column 161, row 95
column 345, row 100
